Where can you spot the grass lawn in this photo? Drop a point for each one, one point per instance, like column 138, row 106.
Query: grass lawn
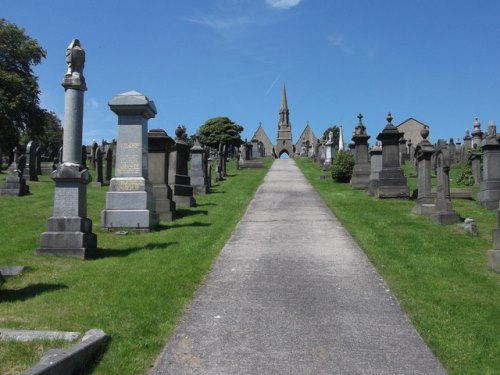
column 438, row 273
column 136, row 290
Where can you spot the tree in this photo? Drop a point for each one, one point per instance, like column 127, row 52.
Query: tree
column 52, row 137
column 336, row 134
column 220, row 130
column 342, row 166
column 20, row 113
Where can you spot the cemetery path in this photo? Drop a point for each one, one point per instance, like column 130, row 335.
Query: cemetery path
column 292, row 293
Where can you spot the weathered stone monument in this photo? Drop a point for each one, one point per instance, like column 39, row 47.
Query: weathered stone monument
column 109, row 166
column 15, row 184
column 392, row 181
column 361, row 172
column 477, row 134
column 375, row 168
column 129, row 201
column 197, row 174
column 38, row 161
column 328, row 152
column 69, row 231
column 30, row 168
column 159, row 144
column 494, row 254
column 423, row 152
column 444, row 211
column 475, row 157
column 98, row 168
column 489, row 188
column 178, row 177
column 93, row 152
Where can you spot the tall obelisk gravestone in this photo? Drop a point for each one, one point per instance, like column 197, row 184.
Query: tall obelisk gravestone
column 130, row 202
column 69, row 230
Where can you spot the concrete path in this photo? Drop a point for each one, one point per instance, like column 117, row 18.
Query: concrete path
column 292, row 293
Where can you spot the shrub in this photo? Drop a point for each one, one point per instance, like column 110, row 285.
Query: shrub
column 342, row 166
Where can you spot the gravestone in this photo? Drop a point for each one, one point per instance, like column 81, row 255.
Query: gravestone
column 403, row 151
column 392, row 181
column 220, row 171
column 93, row 153
column 198, row 180
column 109, row 166
column 328, row 152
column 130, row 202
column 224, row 160
column 84, row 157
column 489, row 188
column 477, row 134
column 375, row 167
column 15, row 184
column 98, row 168
column 361, row 172
column 475, row 157
column 159, row 144
column 444, row 211
column 453, row 151
column 178, row 177
column 30, row 169
column 493, row 255
column 69, row 231
column 38, row 161
column 423, row 152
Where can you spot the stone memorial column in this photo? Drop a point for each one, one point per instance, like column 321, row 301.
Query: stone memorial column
column 129, row 201
column 159, row 144
column 69, row 230
column 328, row 152
column 444, row 210
column 477, row 134
column 197, row 174
column 392, row 181
column 489, row 188
column 361, row 172
column 475, row 158
column 30, row 168
column 178, row 177
column 423, row 154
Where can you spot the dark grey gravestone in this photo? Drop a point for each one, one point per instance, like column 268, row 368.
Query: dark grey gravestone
column 159, row 144
column 475, row 158
column 38, row 161
column 453, row 151
column 93, row 152
column 84, row 157
column 99, row 166
column 15, row 184
column 489, row 188
column 375, row 167
column 109, row 165
column 30, row 169
column 444, row 210
column 130, row 202
column 361, row 172
column 69, row 231
column 423, row 152
column 392, row 181
column 198, row 180
column 178, row 177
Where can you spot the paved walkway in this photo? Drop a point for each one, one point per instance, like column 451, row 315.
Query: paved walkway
column 292, row 293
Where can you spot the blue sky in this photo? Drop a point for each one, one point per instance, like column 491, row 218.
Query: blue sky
column 436, row 61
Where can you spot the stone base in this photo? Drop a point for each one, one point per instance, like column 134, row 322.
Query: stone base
column 489, row 195
column 372, row 187
column 496, row 238
column 200, row 190
column 15, row 186
column 446, row 217
column 361, row 176
column 392, row 191
column 132, row 219
column 71, row 244
column 184, row 201
column 494, row 260
column 424, row 209
column 165, row 209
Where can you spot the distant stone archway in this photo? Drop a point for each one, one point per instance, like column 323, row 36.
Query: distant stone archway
column 284, row 151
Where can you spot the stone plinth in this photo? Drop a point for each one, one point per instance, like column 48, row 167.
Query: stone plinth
column 158, row 160
column 375, row 167
column 130, row 202
column 489, row 188
column 392, row 181
column 423, row 153
column 444, row 211
column 15, row 184
column 493, row 256
column 197, row 174
column 475, row 164
column 178, row 178
column 69, row 231
column 361, row 172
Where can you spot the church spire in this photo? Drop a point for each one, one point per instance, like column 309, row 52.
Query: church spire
column 284, row 112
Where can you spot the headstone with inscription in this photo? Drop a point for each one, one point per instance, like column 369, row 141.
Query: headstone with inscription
column 445, row 214
column 361, row 172
column 69, row 231
column 423, row 152
column 489, row 188
column 392, row 181
column 197, row 174
column 159, row 144
column 178, row 177
column 130, row 201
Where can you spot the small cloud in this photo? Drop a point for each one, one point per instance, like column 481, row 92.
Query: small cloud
column 221, row 25
column 338, row 41
column 283, row 4
column 94, row 103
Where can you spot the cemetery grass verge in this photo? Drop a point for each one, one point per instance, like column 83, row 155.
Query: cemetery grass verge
column 438, row 273
column 136, row 289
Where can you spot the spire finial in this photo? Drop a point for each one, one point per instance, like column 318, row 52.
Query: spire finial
column 389, row 118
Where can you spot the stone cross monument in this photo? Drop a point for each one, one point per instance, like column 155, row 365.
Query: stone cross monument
column 361, row 172
column 69, row 230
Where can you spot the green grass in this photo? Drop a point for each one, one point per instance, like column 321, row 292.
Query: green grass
column 136, row 290
column 438, row 273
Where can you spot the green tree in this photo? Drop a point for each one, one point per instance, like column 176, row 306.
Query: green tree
column 52, row 137
column 336, row 134
column 20, row 113
column 219, row 130
column 342, row 166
